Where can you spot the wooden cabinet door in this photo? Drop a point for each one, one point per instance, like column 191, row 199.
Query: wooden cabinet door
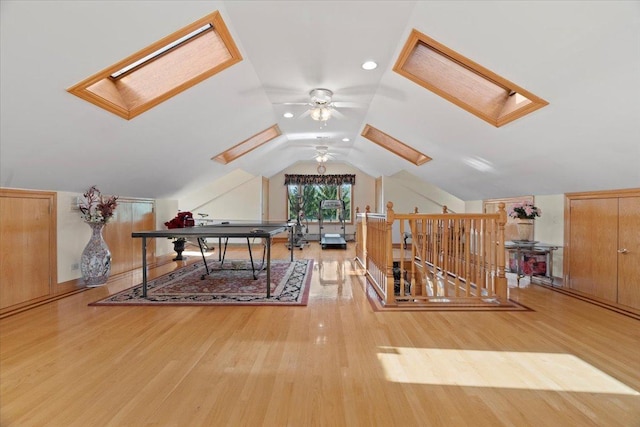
column 593, row 243
column 629, row 252
column 117, row 235
column 25, row 242
column 143, row 219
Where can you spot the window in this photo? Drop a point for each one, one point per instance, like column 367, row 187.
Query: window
column 248, row 145
column 464, row 82
column 164, row 69
column 309, row 196
column 398, row 148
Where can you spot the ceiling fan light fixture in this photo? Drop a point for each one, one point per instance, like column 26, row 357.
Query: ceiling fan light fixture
column 321, row 114
column 320, row 96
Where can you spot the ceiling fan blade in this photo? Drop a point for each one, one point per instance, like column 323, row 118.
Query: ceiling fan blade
column 343, row 104
column 290, row 103
column 337, row 114
column 305, row 114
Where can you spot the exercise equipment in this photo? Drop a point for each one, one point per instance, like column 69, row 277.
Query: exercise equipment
column 332, row 240
column 298, row 239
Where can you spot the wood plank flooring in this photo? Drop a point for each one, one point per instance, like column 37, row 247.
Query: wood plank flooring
column 335, row 362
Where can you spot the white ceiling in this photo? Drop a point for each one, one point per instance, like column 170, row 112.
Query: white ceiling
column 583, row 57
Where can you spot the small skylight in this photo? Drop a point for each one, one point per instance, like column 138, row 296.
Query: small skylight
column 248, row 145
column 397, row 147
column 287, row 115
column 162, row 70
column 464, row 82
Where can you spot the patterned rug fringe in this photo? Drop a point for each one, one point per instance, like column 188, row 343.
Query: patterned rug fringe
column 231, row 283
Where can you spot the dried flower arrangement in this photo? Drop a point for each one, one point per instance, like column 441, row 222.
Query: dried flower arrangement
column 95, row 207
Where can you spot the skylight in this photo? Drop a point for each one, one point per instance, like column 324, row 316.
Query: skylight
column 161, row 51
column 464, row 82
column 396, row 147
column 248, row 145
column 163, row 69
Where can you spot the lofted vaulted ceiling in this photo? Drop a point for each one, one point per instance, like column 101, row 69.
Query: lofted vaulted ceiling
column 583, row 57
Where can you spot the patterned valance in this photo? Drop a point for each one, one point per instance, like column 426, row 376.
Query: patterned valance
column 319, row 179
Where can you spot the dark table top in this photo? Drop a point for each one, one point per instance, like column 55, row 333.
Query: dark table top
column 227, row 229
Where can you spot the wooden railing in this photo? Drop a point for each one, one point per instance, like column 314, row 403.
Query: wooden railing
column 451, row 259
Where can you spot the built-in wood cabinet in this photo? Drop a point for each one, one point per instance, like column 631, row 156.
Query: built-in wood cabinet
column 126, row 252
column 27, row 246
column 602, row 253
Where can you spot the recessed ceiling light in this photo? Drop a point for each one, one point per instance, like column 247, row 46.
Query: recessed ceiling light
column 369, row 65
column 345, row 140
column 288, row 115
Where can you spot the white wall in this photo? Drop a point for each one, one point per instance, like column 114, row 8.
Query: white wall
column 226, row 186
column 406, row 192
column 242, row 201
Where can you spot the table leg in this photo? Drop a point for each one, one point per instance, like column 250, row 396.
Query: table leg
column 291, row 241
column 269, row 266
column 222, row 256
column 204, row 259
column 518, row 266
column 144, row 267
column 253, row 268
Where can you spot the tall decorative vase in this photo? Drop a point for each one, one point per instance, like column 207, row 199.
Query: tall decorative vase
column 525, row 229
column 95, row 263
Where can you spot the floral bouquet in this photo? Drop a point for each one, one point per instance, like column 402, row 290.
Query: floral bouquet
column 181, row 220
column 524, row 210
column 95, row 207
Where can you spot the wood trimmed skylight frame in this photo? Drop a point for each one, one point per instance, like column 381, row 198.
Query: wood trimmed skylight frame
column 165, row 75
column 248, row 145
column 397, row 147
column 464, row 82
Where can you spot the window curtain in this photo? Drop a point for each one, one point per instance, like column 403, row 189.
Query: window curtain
column 319, row 179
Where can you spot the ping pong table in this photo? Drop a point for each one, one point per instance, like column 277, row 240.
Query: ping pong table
column 265, row 230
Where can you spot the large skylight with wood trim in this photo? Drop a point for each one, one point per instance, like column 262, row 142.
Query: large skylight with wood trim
column 248, row 145
column 464, row 82
column 163, row 69
column 395, row 146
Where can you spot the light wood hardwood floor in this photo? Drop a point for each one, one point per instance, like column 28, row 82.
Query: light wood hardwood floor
column 335, row 362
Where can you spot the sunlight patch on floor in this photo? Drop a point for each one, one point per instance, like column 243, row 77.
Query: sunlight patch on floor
column 497, row 369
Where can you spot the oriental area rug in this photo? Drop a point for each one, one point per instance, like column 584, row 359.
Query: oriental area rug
column 229, row 284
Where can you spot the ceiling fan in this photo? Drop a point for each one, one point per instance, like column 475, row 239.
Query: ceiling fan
column 322, row 106
column 322, row 154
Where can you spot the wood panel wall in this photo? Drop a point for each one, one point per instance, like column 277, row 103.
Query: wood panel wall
column 126, row 252
column 602, row 245
column 27, row 246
